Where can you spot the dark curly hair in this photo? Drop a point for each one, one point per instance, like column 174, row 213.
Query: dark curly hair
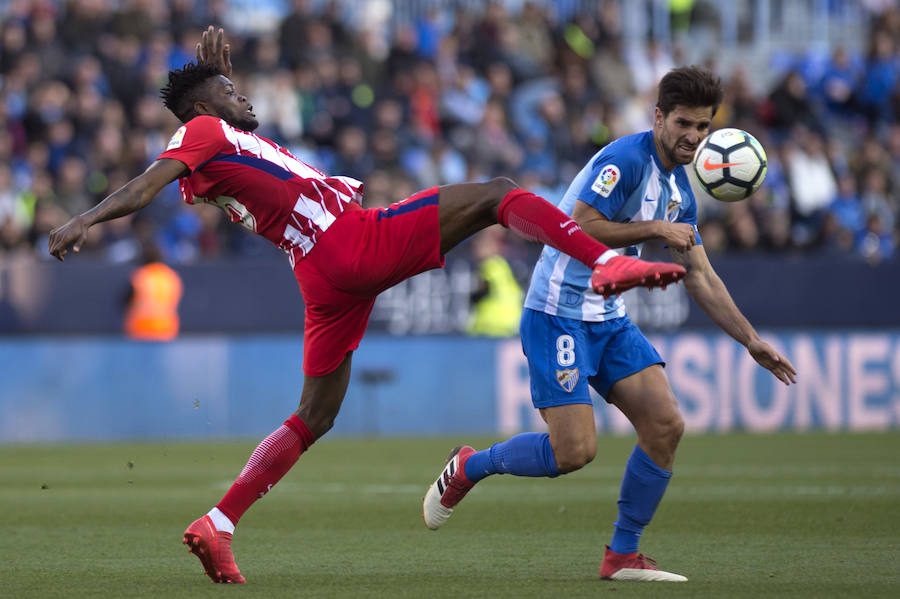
column 185, row 87
column 692, row 87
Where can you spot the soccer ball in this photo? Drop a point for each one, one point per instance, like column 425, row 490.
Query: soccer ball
column 730, row 164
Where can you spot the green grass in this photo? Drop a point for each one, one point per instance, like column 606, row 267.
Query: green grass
column 745, row 516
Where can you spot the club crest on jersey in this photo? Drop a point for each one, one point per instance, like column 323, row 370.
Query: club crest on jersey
column 672, row 209
column 607, row 180
column 567, row 378
column 176, row 140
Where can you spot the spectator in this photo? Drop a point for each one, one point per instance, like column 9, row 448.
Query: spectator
column 789, row 105
column 811, row 182
column 876, row 199
column 526, row 89
column 497, row 296
column 495, row 148
column 838, row 82
column 612, row 74
column 152, row 302
column 878, row 242
column 847, row 207
column 882, row 69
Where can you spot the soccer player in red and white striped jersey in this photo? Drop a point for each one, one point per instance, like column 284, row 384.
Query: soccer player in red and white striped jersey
column 282, row 198
column 342, row 255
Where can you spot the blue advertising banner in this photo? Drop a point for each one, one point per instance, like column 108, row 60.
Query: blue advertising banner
column 846, row 381
column 199, row 387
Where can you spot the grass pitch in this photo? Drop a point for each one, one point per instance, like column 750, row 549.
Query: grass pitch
column 813, row 515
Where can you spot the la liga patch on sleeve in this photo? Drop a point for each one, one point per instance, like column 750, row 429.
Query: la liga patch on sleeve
column 607, row 180
column 176, row 140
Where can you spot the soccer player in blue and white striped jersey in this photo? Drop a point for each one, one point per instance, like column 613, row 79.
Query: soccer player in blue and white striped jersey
column 633, row 190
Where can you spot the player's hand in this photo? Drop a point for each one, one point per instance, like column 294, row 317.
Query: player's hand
column 679, row 236
column 72, row 233
column 213, row 49
column 770, row 359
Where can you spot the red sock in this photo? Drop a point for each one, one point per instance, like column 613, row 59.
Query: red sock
column 268, row 463
column 536, row 219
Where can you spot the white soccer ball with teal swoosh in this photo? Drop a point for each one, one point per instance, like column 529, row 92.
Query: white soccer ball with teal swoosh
column 730, row 164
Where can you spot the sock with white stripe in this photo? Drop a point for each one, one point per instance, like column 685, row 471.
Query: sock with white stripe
column 267, row 464
column 221, row 521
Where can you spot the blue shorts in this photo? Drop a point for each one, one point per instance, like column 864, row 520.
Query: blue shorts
column 566, row 355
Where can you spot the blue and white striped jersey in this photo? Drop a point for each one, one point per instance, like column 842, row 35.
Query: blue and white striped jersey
column 626, row 182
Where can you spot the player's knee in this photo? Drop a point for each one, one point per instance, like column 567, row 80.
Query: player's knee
column 495, row 190
column 318, row 423
column 575, row 455
column 666, row 434
column 673, row 430
column 500, row 186
column 322, row 426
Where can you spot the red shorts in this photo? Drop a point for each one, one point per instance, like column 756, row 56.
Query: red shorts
column 360, row 255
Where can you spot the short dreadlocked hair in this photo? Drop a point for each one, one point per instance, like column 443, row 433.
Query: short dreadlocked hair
column 185, row 87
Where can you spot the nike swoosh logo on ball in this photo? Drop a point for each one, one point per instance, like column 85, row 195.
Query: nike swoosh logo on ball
column 711, row 167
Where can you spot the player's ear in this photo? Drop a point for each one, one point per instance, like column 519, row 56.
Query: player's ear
column 203, row 108
column 658, row 117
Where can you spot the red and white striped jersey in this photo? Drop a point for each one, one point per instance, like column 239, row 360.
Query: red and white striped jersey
column 259, row 184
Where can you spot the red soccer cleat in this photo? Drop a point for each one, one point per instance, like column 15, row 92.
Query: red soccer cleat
column 213, row 547
column 621, row 273
column 448, row 490
column 634, row 566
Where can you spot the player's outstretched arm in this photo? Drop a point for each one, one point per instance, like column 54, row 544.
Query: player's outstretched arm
column 131, row 197
column 213, row 49
column 712, row 296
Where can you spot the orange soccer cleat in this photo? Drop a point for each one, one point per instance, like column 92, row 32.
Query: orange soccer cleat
column 213, row 547
column 621, row 273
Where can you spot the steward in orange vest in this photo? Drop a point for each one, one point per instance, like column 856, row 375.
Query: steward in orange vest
column 152, row 313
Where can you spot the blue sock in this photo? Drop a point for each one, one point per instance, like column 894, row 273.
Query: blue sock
column 643, row 486
column 526, row 454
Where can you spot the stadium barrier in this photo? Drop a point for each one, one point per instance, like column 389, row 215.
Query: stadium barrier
column 58, row 389
column 261, row 296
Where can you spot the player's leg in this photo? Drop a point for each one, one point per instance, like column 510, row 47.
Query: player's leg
column 573, row 435
column 647, row 400
column 570, row 444
column 209, row 537
column 466, row 208
column 558, row 360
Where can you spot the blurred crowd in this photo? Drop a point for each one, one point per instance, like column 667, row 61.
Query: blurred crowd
column 453, row 95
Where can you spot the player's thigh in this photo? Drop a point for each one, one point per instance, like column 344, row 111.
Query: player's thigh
column 624, row 351
column 646, row 399
column 466, row 208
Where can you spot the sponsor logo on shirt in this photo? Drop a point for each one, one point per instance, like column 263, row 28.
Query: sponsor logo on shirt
column 176, row 140
column 607, row 179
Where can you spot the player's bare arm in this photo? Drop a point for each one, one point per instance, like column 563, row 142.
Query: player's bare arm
column 680, row 236
column 131, row 197
column 212, row 49
column 712, row 296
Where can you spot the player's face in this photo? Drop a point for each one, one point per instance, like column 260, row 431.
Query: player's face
column 231, row 106
column 678, row 133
